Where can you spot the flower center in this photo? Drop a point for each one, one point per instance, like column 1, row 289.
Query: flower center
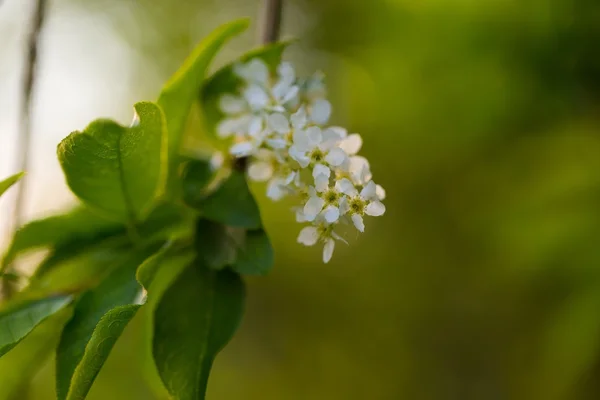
column 317, row 155
column 324, row 231
column 357, row 206
column 331, row 197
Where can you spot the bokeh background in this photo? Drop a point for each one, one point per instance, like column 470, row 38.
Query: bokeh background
column 480, row 118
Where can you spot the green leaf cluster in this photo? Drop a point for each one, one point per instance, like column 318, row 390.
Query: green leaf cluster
column 154, row 231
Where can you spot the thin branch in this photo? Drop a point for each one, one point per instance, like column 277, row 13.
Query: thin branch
column 272, row 13
column 24, row 137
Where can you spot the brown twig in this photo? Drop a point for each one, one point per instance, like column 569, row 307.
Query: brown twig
column 24, row 136
column 272, row 13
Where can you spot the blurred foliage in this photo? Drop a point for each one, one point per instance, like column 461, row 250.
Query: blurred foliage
column 483, row 281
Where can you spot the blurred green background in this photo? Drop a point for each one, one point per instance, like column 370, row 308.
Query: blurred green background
column 480, row 118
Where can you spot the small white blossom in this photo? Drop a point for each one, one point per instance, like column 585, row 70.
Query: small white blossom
column 326, row 202
column 356, row 204
column 278, row 123
column 323, row 232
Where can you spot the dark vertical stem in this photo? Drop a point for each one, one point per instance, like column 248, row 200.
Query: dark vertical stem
column 272, row 12
column 24, row 134
column 24, row 138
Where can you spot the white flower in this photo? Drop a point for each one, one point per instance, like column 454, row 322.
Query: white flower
column 254, row 71
column 356, row 205
column 320, row 111
column 278, row 122
column 266, row 165
column 323, row 232
column 249, row 145
column 325, row 202
column 311, row 147
column 285, row 90
column 261, row 92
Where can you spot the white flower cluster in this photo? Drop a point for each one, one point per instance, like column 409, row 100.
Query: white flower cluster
column 280, row 123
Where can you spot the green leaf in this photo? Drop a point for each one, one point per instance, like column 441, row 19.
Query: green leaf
column 255, row 256
column 225, row 81
column 77, row 227
column 118, row 170
column 159, row 272
column 246, row 252
column 148, row 270
column 180, row 92
column 231, row 204
column 196, row 177
column 8, row 182
column 218, row 244
column 17, row 321
column 70, row 271
column 194, row 320
column 99, row 318
column 21, row 364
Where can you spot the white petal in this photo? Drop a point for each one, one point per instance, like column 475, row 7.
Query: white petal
column 360, row 169
column 260, row 171
column 279, row 123
column 299, row 119
column 279, row 90
column 290, row 177
column 345, row 186
column 331, row 214
column 290, row 95
column 357, row 163
column 320, row 169
column 286, row 72
column 308, row 236
column 313, row 206
column 242, row 149
column 336, row 157
column 352, row 144
column 375, row 209
column 257, row 71
column 321, row 183
column 315, row 87
column 338, row 237
column 230, row 104
column 328, row 250
column 300, row 216
column 255, row 126
column 300, row 140
column 338, row 132
column 369, row 191
column 380, row 191
column 256, row 97
column 277, row 143
column 226, row 128
column 331, row 137
column 358, row 222
column 314, row 136
column 300, row 156
column 344, row 206
column 275, row 191
column 320, row 111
